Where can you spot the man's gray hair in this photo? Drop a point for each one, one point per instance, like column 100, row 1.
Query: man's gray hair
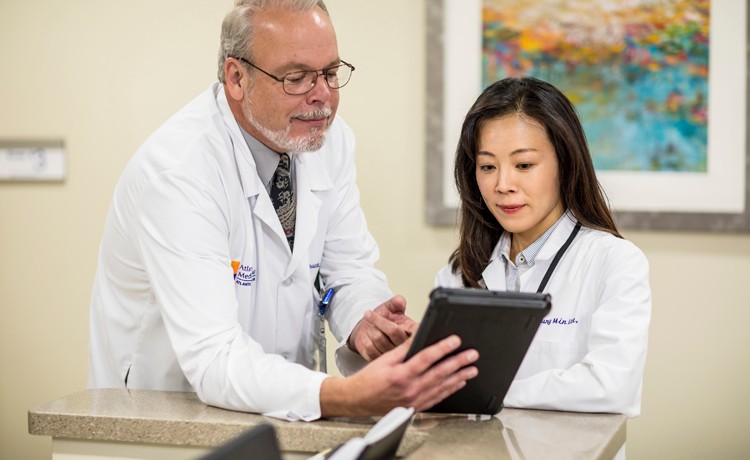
column 237, row 28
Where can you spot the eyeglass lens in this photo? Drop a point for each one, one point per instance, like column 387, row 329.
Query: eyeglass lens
column 302, row 82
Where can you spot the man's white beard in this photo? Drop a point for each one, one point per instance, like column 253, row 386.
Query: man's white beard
column 283, row 138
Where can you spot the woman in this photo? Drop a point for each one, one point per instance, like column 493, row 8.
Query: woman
column 533, row 218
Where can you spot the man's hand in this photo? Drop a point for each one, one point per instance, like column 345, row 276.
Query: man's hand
column 382, row 329
column 390, row 382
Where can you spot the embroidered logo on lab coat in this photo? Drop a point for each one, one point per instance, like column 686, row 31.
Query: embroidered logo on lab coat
column 244, row 275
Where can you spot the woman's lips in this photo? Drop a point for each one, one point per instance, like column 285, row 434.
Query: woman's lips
column 511, row 209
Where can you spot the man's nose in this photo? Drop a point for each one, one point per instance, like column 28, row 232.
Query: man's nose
column 320, row 90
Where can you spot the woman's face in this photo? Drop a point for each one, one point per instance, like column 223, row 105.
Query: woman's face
column 516, row 170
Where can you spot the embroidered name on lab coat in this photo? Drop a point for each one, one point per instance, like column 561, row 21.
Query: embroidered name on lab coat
column 560, row 321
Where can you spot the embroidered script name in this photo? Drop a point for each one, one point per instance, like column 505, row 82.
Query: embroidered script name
column 563, row 321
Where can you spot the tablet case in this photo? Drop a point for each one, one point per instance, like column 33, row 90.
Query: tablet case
column 257, row 442
column 500, row 325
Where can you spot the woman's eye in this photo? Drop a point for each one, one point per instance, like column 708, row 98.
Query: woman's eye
column 524, row 166
column 486, row 167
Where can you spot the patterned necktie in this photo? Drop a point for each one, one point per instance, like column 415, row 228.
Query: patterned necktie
column 283, row 198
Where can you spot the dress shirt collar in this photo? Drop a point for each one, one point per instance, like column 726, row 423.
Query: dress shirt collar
column 266, row 160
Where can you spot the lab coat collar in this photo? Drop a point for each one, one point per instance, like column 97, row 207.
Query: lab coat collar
column 308, row 164
column 248, row 174
column 494, row 274
column 557, row 238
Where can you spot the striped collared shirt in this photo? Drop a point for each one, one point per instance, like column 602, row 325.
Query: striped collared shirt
column 524, row 260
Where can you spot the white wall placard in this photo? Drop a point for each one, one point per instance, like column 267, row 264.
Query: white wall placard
column 32, row 160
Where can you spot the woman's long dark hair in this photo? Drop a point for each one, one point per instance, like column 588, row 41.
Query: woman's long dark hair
column 580, row 191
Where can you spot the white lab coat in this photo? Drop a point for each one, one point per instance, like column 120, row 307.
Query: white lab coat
column 167, row 310
column 589, row 352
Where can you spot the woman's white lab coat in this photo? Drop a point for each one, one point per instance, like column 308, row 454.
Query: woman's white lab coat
column 589, row 352
column 196, row 287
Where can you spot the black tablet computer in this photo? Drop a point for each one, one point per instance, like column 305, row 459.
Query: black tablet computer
column 500, row 325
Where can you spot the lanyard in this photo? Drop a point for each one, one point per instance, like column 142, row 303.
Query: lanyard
column 557, row 258
column 324, row 303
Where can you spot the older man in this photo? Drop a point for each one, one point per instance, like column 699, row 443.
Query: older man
column 228, row 222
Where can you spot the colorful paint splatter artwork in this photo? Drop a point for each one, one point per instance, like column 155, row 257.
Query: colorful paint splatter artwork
column 636, row 70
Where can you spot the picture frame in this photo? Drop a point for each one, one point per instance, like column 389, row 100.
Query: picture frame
column 716, row 201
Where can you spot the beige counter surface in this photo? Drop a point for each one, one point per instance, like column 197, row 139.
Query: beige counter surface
column 164, row 420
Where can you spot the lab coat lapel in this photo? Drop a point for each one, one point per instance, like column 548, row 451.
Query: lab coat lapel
column 255, row 192
column 494, row 275
column 264, row 210
column 555, row 241
column 531, row 280
column 311, row 177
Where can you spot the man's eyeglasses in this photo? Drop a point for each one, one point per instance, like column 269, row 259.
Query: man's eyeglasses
column 301, row 82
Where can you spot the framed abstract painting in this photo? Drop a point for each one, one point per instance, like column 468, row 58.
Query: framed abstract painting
column 660, row 86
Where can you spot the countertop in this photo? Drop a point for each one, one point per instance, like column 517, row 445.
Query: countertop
column 180, row 419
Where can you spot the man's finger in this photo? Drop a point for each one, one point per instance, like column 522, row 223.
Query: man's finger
column 379, row 343
column 423, row 360
column 449, row 376
column 394, row 305
column 394, row 333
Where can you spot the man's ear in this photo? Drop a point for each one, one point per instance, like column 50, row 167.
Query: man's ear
column 235, row 79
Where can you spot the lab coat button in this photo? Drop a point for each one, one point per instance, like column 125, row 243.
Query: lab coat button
column 288, row 281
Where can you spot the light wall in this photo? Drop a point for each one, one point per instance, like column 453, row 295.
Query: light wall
column 102, row 75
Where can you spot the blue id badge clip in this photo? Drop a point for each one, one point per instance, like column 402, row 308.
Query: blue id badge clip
column 322, row 307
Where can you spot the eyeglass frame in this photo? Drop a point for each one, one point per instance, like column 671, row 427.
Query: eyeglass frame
column 315, row 80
